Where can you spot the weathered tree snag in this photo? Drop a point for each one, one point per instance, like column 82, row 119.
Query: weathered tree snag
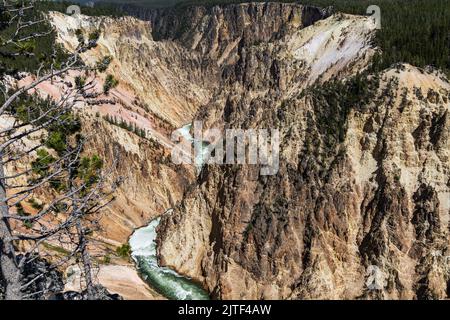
column 86, row 261
column 18, row 186
column 8, row 265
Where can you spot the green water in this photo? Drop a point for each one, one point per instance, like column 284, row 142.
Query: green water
column 164, row 280
column 143, row 246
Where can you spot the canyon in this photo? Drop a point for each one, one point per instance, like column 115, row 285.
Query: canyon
column 364, row 164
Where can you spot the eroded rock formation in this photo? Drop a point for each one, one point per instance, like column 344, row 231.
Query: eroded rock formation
column 363, row 177
column 364, row 162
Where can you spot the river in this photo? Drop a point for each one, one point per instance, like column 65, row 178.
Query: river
column 164, row 280
column 143, row 247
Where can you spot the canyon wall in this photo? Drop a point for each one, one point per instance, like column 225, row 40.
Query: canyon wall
column 363, row 182
column 364, row 168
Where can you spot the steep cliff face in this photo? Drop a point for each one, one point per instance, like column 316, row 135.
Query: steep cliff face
column 167, row 80
column 151, row 182
column 363, row 182
column 161, row 85
column 166, row 73
column 219, row 32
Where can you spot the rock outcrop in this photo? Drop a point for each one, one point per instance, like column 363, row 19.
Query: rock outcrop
column 161, row 87
column 363, row 188
column 363, row 182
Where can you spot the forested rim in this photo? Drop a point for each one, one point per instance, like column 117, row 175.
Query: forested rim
column 413, row 31
column 36, row 51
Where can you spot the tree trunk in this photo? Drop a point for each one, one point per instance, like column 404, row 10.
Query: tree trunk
column 9, row 268
column 86, row 261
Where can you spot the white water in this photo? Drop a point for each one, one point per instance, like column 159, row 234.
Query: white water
column 162, row 279
column 200, row 158
column 143, row 247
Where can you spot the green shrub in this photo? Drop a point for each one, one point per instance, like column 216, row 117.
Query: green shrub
column 110, row 83
column 21, row 211
column 124, row 251
column 28, row 224
column 107, row 259
column 60, row 207
column 56, row 140
column 34, row 204
column 104, row 64
column 80, row 82
column 41, row 165
column 89, row 168
column 93, row 36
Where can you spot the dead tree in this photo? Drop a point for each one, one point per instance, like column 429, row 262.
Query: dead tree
column 28, row 166
column 86, row 202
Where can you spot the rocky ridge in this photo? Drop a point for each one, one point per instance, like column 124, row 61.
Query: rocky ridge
column 363, row 181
